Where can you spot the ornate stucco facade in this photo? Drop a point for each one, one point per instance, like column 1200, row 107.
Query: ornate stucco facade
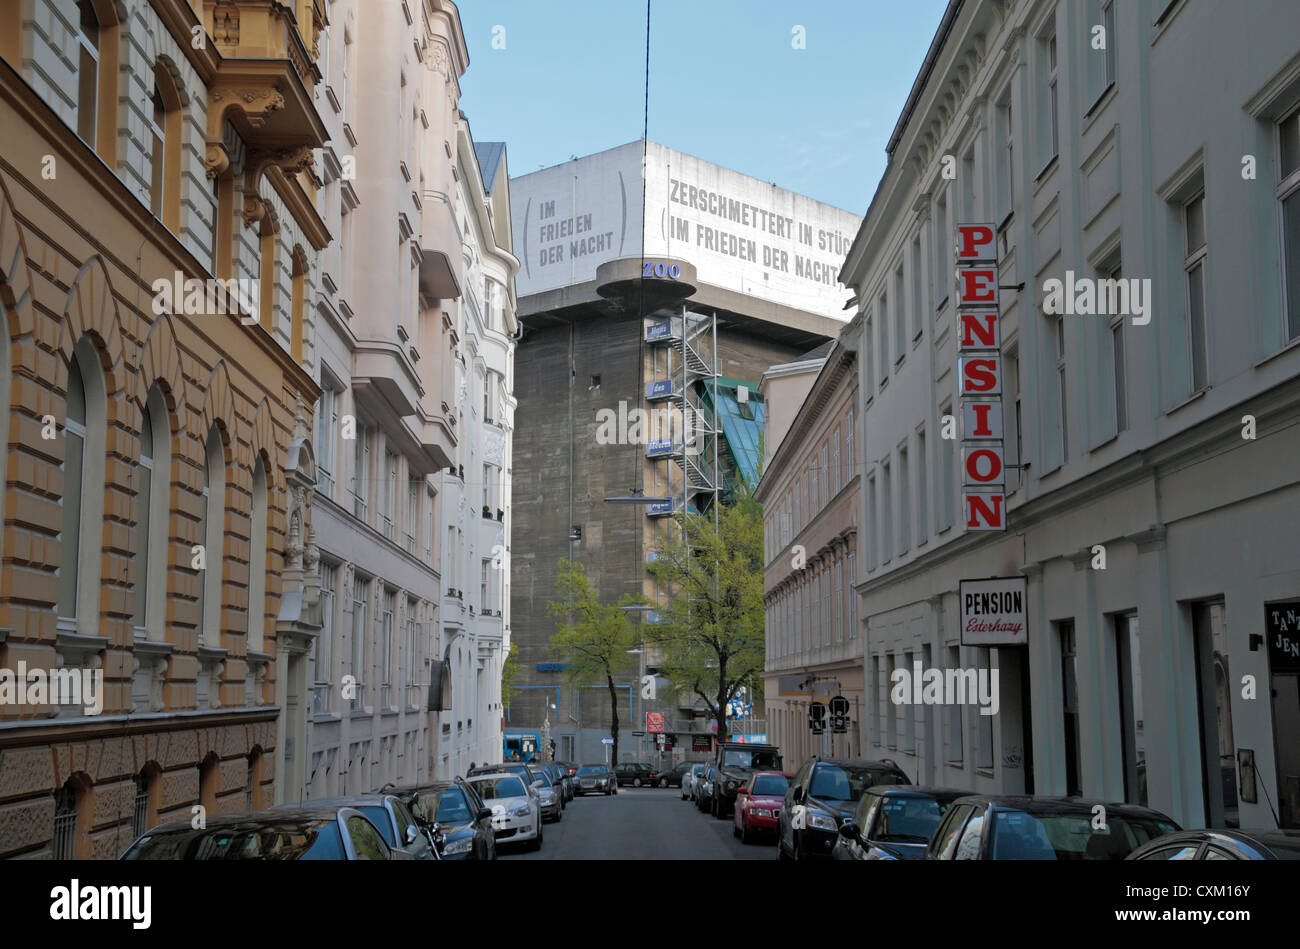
column 157, row 467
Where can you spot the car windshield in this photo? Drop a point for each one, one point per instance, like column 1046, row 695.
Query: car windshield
column 771, row 785
column 1020, row 835
column 591, row 771
column 448, row 807
column 378, row 815
column 491, row 789
column 833, row 783
column 543, row 777
column 908, row 819
column 757, row 760
column 305, row 841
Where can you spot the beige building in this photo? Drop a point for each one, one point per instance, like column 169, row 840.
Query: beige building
column 809, row 494
column 158, row 547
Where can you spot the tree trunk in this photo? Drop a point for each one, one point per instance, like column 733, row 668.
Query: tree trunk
column 613, row 717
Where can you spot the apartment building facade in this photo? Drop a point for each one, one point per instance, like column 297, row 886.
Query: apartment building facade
column 1151, row 504
column 475, row 491
column 157, row 535
column 809, row 494
column 397, row 669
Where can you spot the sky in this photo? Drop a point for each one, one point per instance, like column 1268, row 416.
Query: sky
column 726, row 83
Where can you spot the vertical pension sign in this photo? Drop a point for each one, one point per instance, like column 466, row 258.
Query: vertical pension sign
column 979, row 375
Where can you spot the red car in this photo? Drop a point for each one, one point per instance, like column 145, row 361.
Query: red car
column 758, row 804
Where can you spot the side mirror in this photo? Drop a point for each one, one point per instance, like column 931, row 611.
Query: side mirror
column 849, row 830
column 742, row 792
column 485, row 813
column 797, row 794
column 412, row 834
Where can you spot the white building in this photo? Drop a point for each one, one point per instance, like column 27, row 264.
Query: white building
column 475, row 490
column 1170, row 154
column 387, row 310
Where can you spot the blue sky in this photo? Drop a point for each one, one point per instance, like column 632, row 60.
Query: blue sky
column 725, row 83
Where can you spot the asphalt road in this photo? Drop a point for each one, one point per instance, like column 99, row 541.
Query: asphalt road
column 639, row 824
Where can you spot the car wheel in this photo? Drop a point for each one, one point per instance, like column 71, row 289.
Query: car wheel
column 663, row 782
column 537, row 841
column 636, row 782
column 560, row 816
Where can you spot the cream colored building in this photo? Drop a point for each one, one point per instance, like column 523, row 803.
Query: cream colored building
column 809, row 494
column 1164, row 441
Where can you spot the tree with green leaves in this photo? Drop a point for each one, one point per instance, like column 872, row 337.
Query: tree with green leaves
column 711, row 635
column 594, row 637
column 509, row 670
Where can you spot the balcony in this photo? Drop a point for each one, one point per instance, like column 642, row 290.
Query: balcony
column 263, row 85
column 440, row 255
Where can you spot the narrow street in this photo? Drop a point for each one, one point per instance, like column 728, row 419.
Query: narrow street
column 640, row 824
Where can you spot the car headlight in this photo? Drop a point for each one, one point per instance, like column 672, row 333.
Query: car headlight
column 548, row 797
column 822, row 822
column 524, row 810
column 760, row 812
column 458, row 846
column 498, row 811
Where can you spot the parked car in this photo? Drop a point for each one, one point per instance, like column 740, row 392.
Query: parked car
column 822, row 796
column 689, row 780
column 563, row 780
column 758, row 804
column 736, row 763
column 635, row 774
column 1018, row 827
column 463, row 822
column 312, row 832
column 672, row 777
column 516, row 811
column 704, row 787
column 400, row 829
column 1280, row 844
column 595, row 779
column 549, row 797
column 894, row 822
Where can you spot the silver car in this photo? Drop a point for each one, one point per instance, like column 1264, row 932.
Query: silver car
column 516, row 810
column 550, row 797
column 689, row 779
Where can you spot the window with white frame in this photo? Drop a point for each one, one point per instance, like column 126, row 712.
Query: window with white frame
column 837, row 472
column 360, row 469
column 1110, row 270
column 942, row 263
column 883, row 309
column 900, row 316
column 1059, row 336
column 918, row 301
column 1288, row 196
column 411, row 526
column 360, row 639
column 151, row 517
column 323, row 648
column 87, row 71
column 873, row 521
column 886, row 512
column 948, row 472
column 257, row 566
column 922, row 489
column 1048, row 116
column 904, row 502
column 1005, row 168
column 387, row 670
column 327, row 421
column 1194, row 267
column 214, row 491
column 388, row 511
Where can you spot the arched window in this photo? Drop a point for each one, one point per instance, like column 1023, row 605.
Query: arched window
column 213, row 536
column 257, row 560
column 147, row 795
column 253, row 781
column 83, row 491
column 97, row 60
column 209, row 775
column 151, row 518
column 165, row 132
column 73, row 807
column 87, row 71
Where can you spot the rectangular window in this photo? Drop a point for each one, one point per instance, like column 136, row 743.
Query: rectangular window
column 1194, row 266
column 158, row 139
column 904, row 502
column 1117, row 358
column 412, row 522
column 869, row 360
column 1053, row 102
column 1061, row 383
column 948, row 485
column 388, row 666
column 891, row 710
column 323, row 648
column 1213, row 701
column 87, row 74
column 956, row 748
column 900, row 316
column 390, row 495
column 360, row 601
column 1128, row 654
column 873, row 522
column 826, row 474
column 1005, row 170
column 985, row 721
column 851, row 607
column 1108, row 21
column 837, row 472
column 360, row 469
column 327, row 419
column 909, row 714
column 883, row 310
column 850, row 459
column 485, row 603
column 837, row 621
column 1070, row 707
column 922, row 490
column 943, row 265
column 917, row 297
column 886, row 512
column 1288, row 194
